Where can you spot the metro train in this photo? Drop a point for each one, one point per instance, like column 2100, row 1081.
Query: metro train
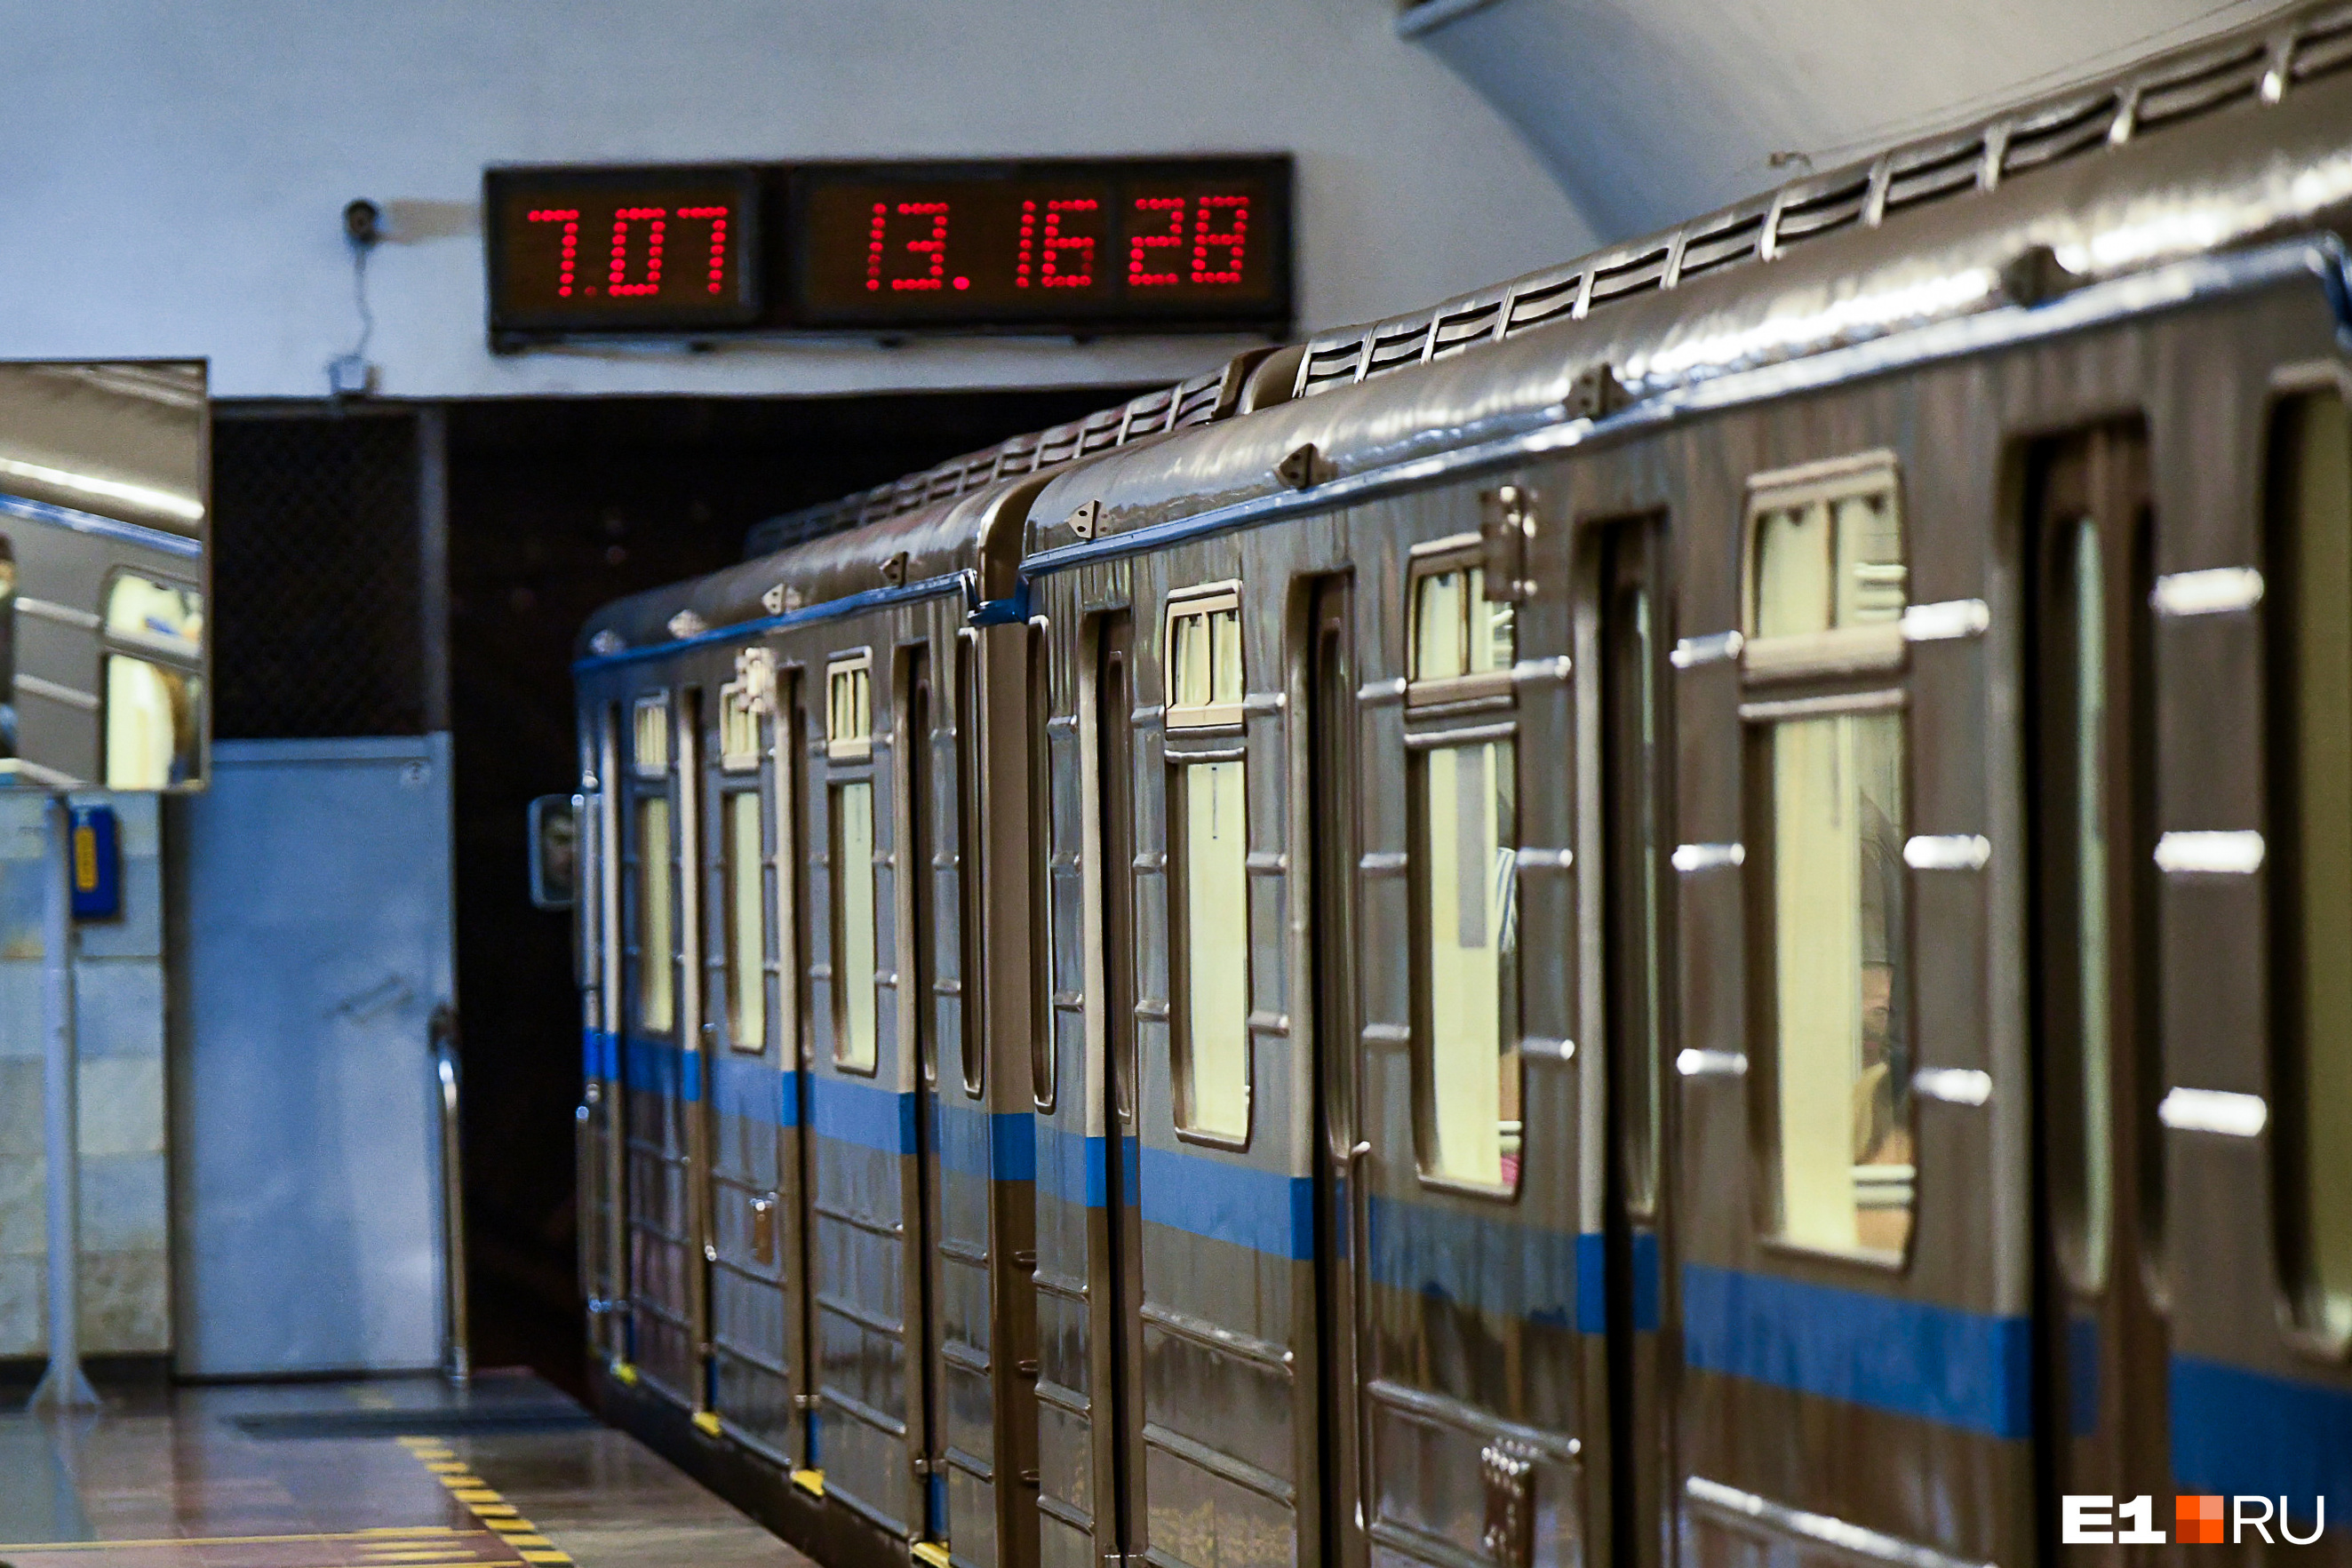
column 1694, row 909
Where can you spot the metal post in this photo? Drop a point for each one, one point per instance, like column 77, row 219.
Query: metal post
column 456, row 1357
column 63, row 1387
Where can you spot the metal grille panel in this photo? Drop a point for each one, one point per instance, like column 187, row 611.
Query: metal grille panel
column 317, row 583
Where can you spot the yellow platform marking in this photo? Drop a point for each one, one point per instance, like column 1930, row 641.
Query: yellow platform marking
column 624, row 1373
column 811, row 1482
column 707, row 1421
column 518, row 1533
column 934, row 1552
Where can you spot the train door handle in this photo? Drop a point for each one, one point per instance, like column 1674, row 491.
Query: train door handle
column 1362, row 1149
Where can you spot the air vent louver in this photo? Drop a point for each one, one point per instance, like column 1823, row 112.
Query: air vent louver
column 2059, row 132
column 1196, row 401
column 1822, row 209
column 1633, row 275
column 1016, row 458
column 1458, row 330
column 1395, row 347
column 1330, row 364
column 1918, row 175
column 1100, row 431
column 1059, row 444
column 2200, row 88
column 1726, row 245
column 2325, row 48
column 1147, row 415
column 1540, row 302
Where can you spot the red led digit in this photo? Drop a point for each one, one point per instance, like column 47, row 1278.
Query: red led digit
column 617, row 280
column 1230, row 239
column 933, row 245
column 569, row 218
column 718, row 220
column 1028, row 251
column 1060, row 271
column 1140, row 246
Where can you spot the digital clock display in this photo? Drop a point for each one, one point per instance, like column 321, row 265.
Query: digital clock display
column 1078, row 246
column 1064, row 243
column 642, row 248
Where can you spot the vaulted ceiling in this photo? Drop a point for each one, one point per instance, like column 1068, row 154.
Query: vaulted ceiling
column 1649, row 112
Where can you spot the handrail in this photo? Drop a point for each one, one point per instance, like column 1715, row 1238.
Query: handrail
column 456, row 1360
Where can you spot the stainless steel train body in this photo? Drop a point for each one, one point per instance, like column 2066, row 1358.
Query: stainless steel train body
column 1690, row 920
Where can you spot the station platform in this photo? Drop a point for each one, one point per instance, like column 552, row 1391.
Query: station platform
column 382, row 1473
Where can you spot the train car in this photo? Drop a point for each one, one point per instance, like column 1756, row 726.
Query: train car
column 102, row 575
column 1689, row 910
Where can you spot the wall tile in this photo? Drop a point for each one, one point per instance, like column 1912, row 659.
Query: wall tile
column 20, row 1107
column 119, row 1008
column 24, row 1318
column 20, row 1011
column 122, row 1105
column 122, row 1203
column 24, row 1207
column 125, row 1301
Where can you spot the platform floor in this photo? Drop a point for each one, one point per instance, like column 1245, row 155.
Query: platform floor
column 391, row 1473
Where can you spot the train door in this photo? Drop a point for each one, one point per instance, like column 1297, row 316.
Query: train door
column 866, row 1204
column 661, row 1066
column 753, row 1195
column 1481, row 1437
column 919, row 947
column 1329, row 683
column 602, row 1096
column 1629, row 633
column 1119, row 1368
column 2099, row 1329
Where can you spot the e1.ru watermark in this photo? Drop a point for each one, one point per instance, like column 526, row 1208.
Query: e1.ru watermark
column 2093, row 1519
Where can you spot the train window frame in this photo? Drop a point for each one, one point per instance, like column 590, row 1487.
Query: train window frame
column 786, row 788
column 1850, row 671
column 1204, row 603
column 1467, row 555
column 176, row 665
column 849, row 707
column 1199, row 763
column 971, row 1067
column 1044, row 1071
column 1422, row 747
column 743, row 701
column 2315, row 1327
column 650, row 746
column 738, row 985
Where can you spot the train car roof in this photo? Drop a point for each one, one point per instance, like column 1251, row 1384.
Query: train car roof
column 2023, row 206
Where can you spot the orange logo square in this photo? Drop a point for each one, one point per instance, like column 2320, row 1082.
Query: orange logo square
column 2199, row 1519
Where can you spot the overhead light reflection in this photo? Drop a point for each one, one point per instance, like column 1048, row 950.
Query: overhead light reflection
column 143, row 497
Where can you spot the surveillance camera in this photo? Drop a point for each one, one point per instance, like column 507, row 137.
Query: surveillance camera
column 363, row 220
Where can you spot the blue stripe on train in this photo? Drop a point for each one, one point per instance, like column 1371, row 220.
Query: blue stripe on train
column 1957, row 1368
column 1263, row 1210
column 863, row 1113
column 748, row 1087
column 2236, row 1432
column 1077, row 1169
column 999, row 1146
column 600, row 1053
column 658, row 1067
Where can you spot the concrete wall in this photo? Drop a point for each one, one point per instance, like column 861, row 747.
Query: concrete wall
column 1650, row 111
column 181, row 169
column 119, row 984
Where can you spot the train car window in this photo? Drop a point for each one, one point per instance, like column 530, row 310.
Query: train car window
column 651, row 751
column 849, row 709
column 7, row 649
column 2309, row 582
column 1458, row 632
column 1208, row 812
column 850, row 736
column 1467, row 810
column 153, row 706
column 738, row 726
column 656, row 917
column 854, row 959
column 1826, row 591
column 968, row 854
column 1204, row 657
column 747, row 924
